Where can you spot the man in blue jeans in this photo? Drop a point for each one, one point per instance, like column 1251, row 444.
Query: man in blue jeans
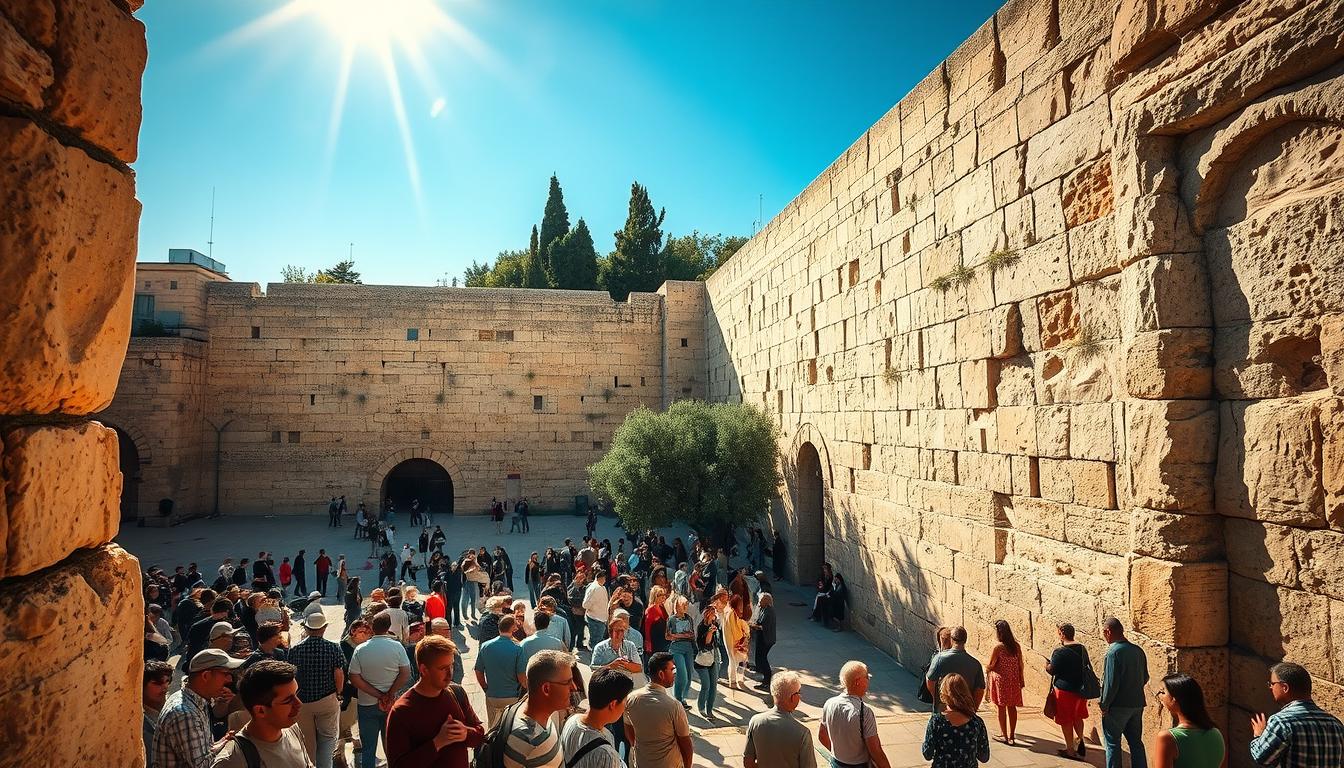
column 1122, row 696
column 379, row 669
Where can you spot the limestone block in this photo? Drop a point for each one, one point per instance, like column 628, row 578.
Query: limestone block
column 1320, row 555
column 1060, row 605
column 1016, row 587
column 1024, row 33
column 1056, row 480
column 71, row 640
column 1059, row 318
column 1078, row 373
column 1010, row 184
column 1093, row 483
column 63, row 489
column 1040, row 107
column 1171, row 449
column 1337, row 630
column 1092, row 251
column 1040, row 269
column 1332, row 351
column 1088, row 194
column 1016, row 427
column 1053, row 433
column 36, row 19
column 1068, row 144
column 1026, row 476
column 1278, row 358
column 1249, row 690
column 1103, row 529
column 25, row 71
column 1260, row 551
column 1182, row 604
column 1144, row 28
column 74, row 221
column 991, row 471
column 1279, row 623
column 1332, row 460
column 1160, row 292
column 1170, row 364
column 1179, row 537
column 1016, row 382
column 1042, row 517
column 1269, row 461
column 100, row 56
column 1092, row 432
column 979, row 383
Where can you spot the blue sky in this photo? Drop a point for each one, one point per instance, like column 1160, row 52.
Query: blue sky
column 707, row 104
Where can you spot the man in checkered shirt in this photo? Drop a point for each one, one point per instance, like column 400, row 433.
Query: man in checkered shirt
column 182, row 739
column 320, row 666
column 1300, row 734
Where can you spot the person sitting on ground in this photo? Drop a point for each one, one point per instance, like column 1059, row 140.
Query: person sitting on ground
column 955, row 737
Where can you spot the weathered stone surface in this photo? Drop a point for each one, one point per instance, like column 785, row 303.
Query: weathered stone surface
column 75, row 221
column 1269, row 461
column 1164, row 292
column 1143, row 28
column 36, row 19
column 1332, row 461
column 1088, row 195
column 1279, row 623
column 1068, row 144
column 1182, row 604
column 1104, row 529
column 1059, row 318
column 1170, row 364
column 1277, row 358
column 1261, row 551
column 1092, row 251
column 1177, row 537
column 63, row 488
column 1172, row 452
column 1332, row 351
column 100, row 57
column 25, row 71
column 1320, row 556
column 71, row 637
column 1092, row 432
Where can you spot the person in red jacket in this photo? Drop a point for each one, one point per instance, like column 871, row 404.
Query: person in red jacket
column 432, row 724
column 286, row 576
column 323, row 567
column 435, row 608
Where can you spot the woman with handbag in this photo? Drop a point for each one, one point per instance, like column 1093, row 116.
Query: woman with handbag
column 1066, row 702
column 707, row 661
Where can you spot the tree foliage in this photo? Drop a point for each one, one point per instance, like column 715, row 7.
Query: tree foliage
column 344, row 273
column 535, row 274
column 554, row 225
column 696, row 256
column 708, row 466
column 637, row 262
column 574, row 260
column 291, row 273
column 508, row 271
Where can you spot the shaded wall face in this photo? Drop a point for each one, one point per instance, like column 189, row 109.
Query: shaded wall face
column 70, row 609
column 1064, row 325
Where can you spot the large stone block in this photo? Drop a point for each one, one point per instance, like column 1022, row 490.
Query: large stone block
column 1269, row 461
column 1144, row 28
column 1182, row 604
column 1332, row 460
column 1165, row 292
column 1171, row 453
column 1279, row 623
column 1170, row 364
column 1174, row 536
column 68, row 229
column 25, row 71
column 100, row 57
column 71, row 641
column 1088, row 194
column 1320, row 556
column 1261, row 551
column 36, row 19
column 63, row 491
column 1068, row 144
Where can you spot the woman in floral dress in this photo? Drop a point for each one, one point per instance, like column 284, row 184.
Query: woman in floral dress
column 1005, row 680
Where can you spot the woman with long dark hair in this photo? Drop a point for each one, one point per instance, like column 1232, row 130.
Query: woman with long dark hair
column 956, row 737
column 1193, row 741
column 353, row 599
column 1005, row 680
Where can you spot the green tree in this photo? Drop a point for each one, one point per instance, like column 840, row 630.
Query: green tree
column 574, row 260
column 637, row 262
column 708, row 466
column 509, row 270
column 344, row 272
column 696, row 256
column 291, row 273
column 535, row 276
column 554, row 225
column 724, row 251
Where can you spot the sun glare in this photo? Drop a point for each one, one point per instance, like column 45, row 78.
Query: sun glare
column 360, row 23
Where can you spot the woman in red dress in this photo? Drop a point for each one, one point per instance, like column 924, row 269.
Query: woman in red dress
column 1005, row 680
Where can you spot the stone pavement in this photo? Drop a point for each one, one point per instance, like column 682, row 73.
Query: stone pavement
column 804, row 646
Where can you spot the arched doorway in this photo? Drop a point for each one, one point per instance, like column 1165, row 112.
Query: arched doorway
column 810, row 506
column 129, row 460
column 423, row 479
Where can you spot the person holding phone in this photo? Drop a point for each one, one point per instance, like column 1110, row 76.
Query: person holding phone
column 432, row 723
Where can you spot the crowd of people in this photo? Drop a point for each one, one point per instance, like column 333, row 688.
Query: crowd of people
column 652, row 618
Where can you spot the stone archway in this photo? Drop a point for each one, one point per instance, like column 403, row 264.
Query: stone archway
column 417, row 470
column 809, row 506
column 130, row 464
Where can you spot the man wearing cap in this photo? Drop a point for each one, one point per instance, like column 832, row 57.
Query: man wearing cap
column 320, row 666
column 221, row 636
column 198, row 636
column 182, row 739
column 314, row 604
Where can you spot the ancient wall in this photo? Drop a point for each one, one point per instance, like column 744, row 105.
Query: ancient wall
column 1063, row 328
column 70, row 615
column 179, row 294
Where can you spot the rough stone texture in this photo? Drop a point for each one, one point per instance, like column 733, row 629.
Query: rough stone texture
column 25, row 71
column 44, row 468
column 1181, row 604
column 71, row 642
column 1269, row 462
column 74, row 218
column 1088, row 195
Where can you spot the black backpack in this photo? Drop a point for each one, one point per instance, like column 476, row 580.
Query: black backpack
column 491, row 752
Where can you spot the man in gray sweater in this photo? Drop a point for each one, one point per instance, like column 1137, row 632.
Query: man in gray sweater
column 1122, row 697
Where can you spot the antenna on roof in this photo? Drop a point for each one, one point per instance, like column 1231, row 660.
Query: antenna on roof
column 210, row 244
column 352, row 251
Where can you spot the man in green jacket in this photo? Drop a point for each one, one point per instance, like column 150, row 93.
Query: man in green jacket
column 1122, row 697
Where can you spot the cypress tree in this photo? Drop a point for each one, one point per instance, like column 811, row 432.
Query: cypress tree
column 574, row 259
column 637, row 262
column 554, row 225
column 535, row 276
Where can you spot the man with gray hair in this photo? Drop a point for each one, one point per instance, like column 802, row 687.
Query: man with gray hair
column 775, row 737
column 848, row 726
column 531, row 741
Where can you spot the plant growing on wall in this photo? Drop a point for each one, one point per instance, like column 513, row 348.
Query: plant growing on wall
column 342, row 392
column 509, row 393
column 962, row 275
column 440, row 398
column 607, row 393
column 941, row 283
column 891, row 376
column 707, row 466
column 531, row 375
column 1002, row 258
column 1088, row 343
column 361, row 398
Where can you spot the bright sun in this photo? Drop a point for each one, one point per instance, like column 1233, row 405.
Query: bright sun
column 361, row 23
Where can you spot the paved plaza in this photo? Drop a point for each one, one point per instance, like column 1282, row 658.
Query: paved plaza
column 804, row 646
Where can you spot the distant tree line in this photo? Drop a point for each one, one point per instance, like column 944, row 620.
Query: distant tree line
column 560, row 257
column 343, row 272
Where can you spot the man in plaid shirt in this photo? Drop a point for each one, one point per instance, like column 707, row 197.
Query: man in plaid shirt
column 320, row 666
column 1300, row 734
column 182, row 739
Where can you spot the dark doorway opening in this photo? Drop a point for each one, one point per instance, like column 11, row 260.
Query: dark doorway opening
column 130, row 476
column 421, row 479
column 810, row 506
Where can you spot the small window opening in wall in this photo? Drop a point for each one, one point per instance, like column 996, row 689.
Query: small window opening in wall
column 641, row 381
column 1034, row 476
column 597, row 445
column 412, row 334
column 147, row 285
column 538, row 402
column 503, row 335
column 811, row 371
column 877, row 291
column 853, row 273
column 867, row 455
column 312, row 399
column 830, row 373
column 256, row 331
column 293, row 437
column 685, row 390
column 172, row 285
column 683, row 342
column 424, row 434
column 275, row 436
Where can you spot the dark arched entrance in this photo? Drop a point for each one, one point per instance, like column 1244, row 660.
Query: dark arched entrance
column 810, row 506
column 421, row 479
column 130, row 476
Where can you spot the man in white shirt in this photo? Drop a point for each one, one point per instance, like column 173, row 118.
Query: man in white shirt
column 379, row 668
column 400, row 621
column 848, row 726
column 596, row 603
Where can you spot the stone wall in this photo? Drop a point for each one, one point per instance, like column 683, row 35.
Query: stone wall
column 1064, row 329
column 70, row 642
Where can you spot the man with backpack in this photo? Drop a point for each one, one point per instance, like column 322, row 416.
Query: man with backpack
column 433, row 723
column 585, row 740
column 524, row 738
column 271, row 738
